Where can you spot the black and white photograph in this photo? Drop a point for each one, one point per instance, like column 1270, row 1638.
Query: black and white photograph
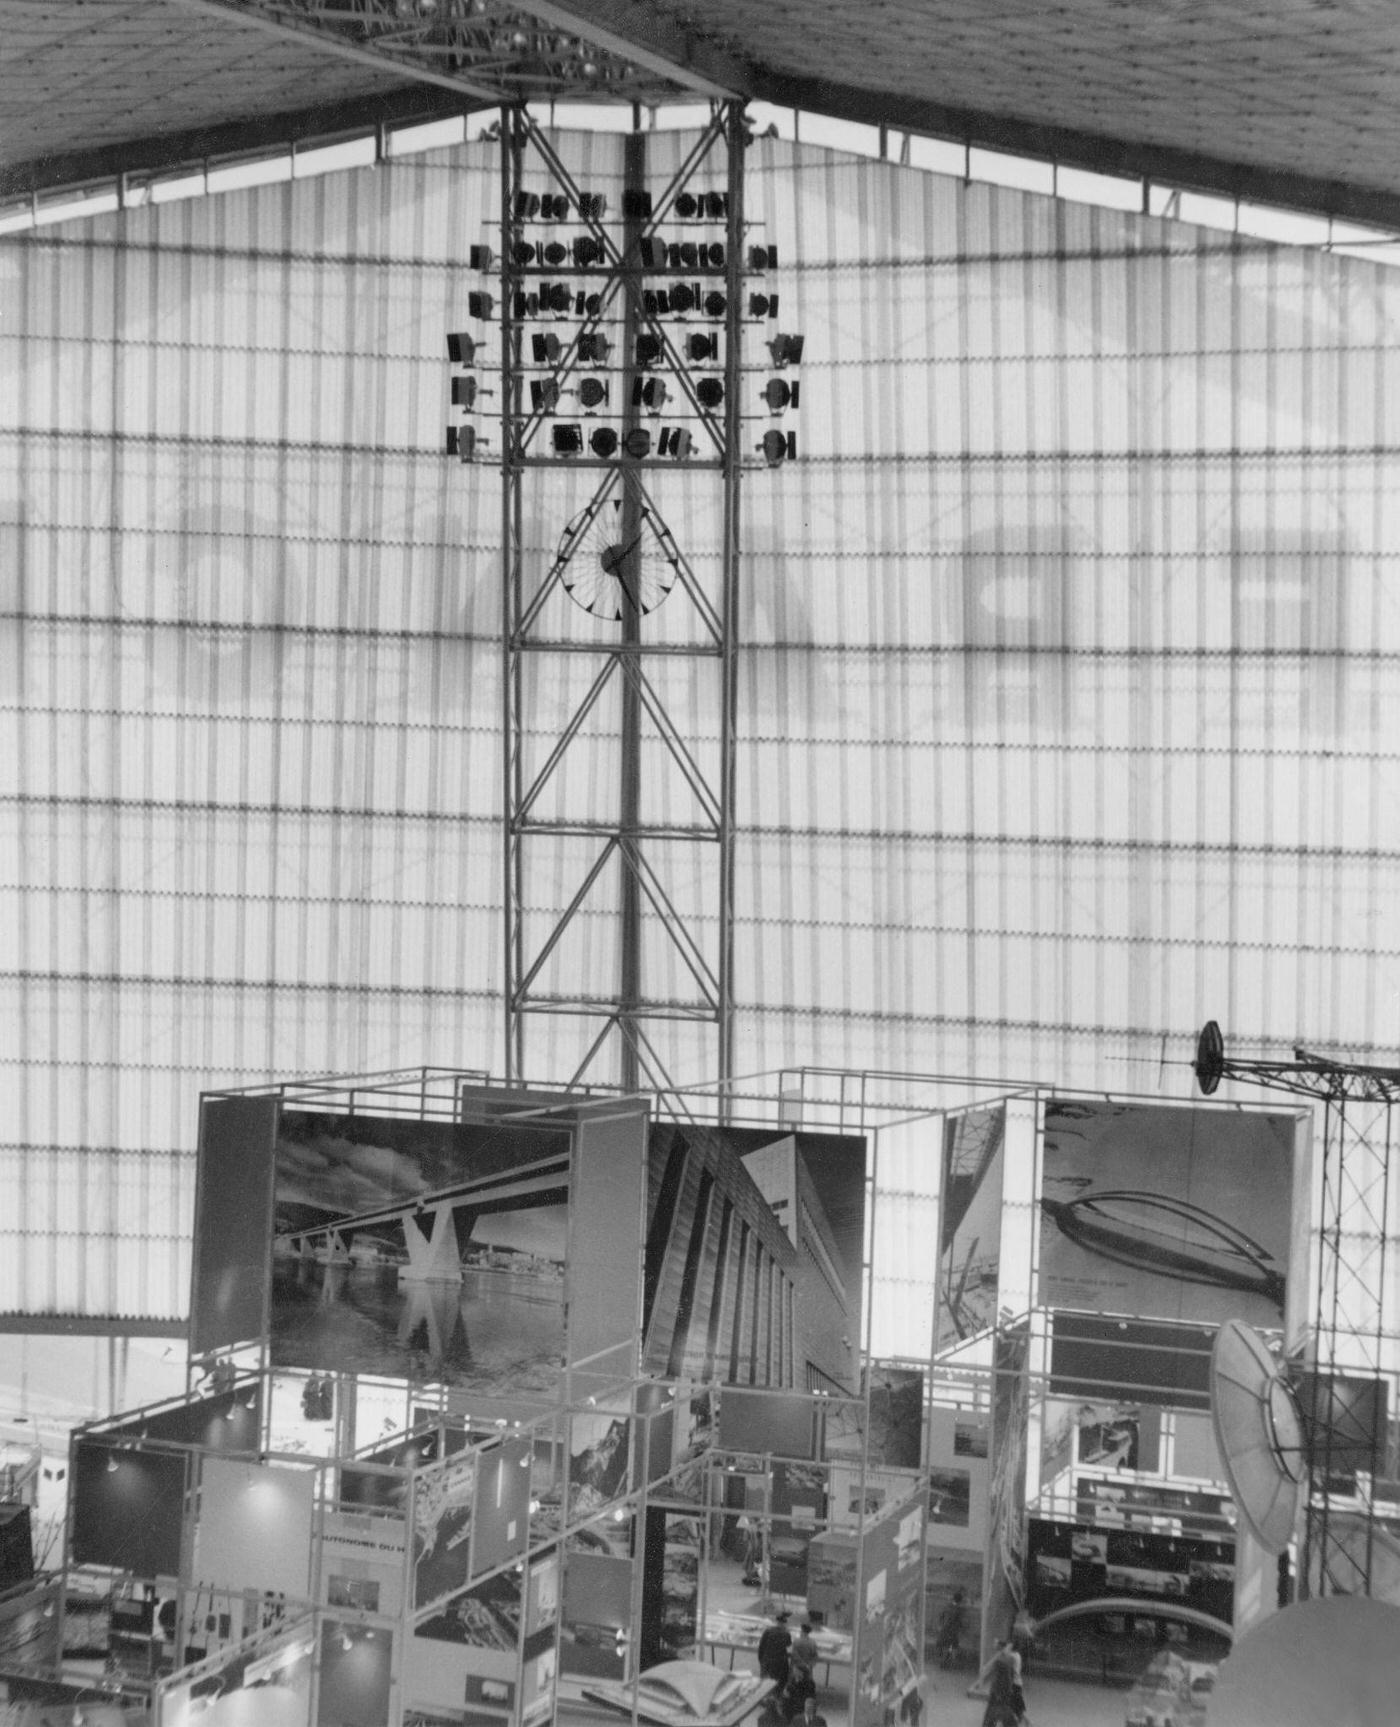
column 422, row 1250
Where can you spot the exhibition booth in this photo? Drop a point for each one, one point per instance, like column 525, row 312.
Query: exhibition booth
column 513, row 1406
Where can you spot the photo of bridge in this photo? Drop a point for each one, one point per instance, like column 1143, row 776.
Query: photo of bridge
column 427, row 1250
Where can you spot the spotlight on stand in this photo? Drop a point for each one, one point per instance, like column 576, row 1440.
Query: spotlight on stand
column 603, row 442
column 780, row 395
column 786, row 351
column 778, row 447
column 461, row 348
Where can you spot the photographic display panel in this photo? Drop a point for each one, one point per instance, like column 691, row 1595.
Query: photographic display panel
column 1166, row 1212
column 422, row 1250
column 969, row 1258
column 754, row 1256
column 233, row 1200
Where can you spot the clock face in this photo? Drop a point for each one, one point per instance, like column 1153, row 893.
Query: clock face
column 616, row 562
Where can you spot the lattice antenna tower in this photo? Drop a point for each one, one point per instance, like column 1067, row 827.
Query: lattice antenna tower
column 605, row 350
column 1344, row 1380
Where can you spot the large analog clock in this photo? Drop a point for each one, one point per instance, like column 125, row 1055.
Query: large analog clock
column 613, row 561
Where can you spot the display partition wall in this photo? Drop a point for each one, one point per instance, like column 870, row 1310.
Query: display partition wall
column 504, row 1397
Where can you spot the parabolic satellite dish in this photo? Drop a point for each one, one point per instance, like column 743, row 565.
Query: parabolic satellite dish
column 1210, row 1057
column 1259, row 1434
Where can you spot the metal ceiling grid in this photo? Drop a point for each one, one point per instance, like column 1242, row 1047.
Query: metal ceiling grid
column 100, row 72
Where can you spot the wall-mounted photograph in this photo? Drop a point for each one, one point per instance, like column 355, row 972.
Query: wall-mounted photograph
column 421, row 1250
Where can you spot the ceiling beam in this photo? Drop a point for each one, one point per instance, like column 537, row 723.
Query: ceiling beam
column 1131, row 158
column 404, row 106
column 633, row 31
column 327, row 41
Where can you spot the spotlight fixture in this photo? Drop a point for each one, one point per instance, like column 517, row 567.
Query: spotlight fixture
column 637, row 443
column 763, row 257
column 699, row 347
column 779, row 394
column 714, row 255
column 544, row 395
column 763, row 305
column 527, row 206
column 594, row 348
column 557, row 296
column 649, row 393
column 568, row 439
column 587, row 252
column 675, row 441
column 603, row 442
column 648, row 350
column 686, row 255
column 687, row 206
column 709, row 392
column 715, row 304
column 684, row 298
column 461, row 348
column 636, row 204
column 786, row 351
column 546, row 348
column 464, row 393
column 480, row 258
column 716, row 205
column 554, row 207
column 592, row 206
column 592, row 393
column 778, row 447
column 555, row 254
column 479, row 305
column 522, row 253
column 461, row 442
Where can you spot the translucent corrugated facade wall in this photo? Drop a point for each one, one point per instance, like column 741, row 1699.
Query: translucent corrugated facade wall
column 1068, row 711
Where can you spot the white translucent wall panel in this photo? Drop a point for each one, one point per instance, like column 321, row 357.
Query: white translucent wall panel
column 1067, row 697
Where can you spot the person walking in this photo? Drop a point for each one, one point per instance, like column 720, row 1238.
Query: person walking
column 773, row 1647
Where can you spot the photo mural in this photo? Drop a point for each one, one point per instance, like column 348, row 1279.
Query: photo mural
column 1166, row 1212
column 754, row 1256
column 423, row 1250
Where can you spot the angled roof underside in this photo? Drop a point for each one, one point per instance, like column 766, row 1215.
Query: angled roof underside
column 1281, row 101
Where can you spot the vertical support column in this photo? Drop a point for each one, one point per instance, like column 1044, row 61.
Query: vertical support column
column 634, row 179
column 736, row 141
column 512, row 606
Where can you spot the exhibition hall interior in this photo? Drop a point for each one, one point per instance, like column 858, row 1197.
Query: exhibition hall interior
column 701, row 1014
